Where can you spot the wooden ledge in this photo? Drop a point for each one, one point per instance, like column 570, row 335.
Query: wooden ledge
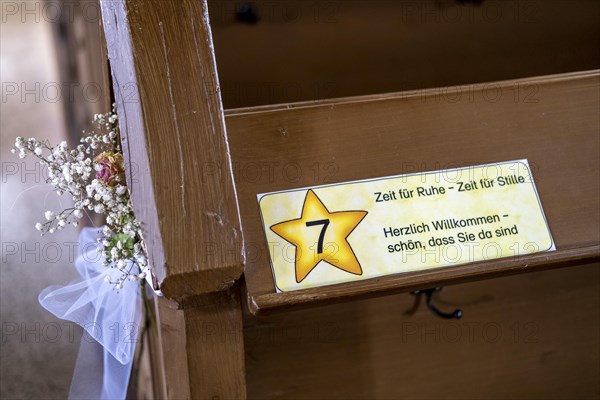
column 552, row 121
column 447, row 91
column 424, row 279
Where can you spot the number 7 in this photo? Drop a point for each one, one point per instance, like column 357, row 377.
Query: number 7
column 325, row 223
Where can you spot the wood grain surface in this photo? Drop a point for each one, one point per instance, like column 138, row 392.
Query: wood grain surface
column 530, row 336
column 172, row 126
column 215, row 346
column 198, row 350
column 552, row 121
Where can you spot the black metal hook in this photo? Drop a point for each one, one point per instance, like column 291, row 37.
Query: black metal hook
column 247, row 13
column 428, row 296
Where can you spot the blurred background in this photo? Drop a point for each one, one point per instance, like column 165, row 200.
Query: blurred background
column 48, row 91
column 38, row 353
column 271, row 52
column 55, row 76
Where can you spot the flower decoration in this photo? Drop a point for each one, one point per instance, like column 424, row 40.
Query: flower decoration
column 93, row 174
column 110, row 168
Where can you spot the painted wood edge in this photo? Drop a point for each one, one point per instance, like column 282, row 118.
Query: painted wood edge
column 177, row 275
column 427, row 92
column 131, row 119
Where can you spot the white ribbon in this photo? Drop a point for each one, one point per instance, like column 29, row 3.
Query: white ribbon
column 111, row 323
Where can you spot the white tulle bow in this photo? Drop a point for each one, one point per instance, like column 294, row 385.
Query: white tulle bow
column 111, row 323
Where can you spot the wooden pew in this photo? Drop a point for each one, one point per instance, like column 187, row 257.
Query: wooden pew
column 225, row 332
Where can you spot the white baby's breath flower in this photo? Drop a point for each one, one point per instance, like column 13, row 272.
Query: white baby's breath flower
column 74, row 172
column 66, row 171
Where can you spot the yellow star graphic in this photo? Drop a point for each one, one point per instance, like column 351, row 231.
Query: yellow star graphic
column 319, row 235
